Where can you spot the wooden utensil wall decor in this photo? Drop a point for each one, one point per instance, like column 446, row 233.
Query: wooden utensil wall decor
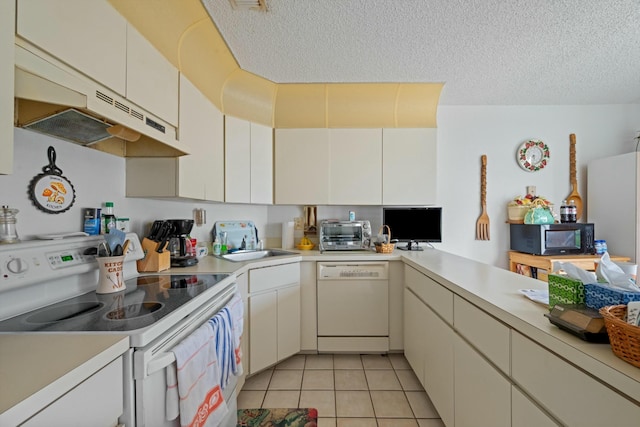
column 50, row 191
column 574, row 195
column 482, row 224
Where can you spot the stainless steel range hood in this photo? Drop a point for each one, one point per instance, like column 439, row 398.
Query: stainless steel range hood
column 56, row 100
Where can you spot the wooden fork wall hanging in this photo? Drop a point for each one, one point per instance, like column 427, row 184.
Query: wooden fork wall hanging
column 482, row 224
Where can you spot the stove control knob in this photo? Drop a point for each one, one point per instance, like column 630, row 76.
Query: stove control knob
column 17, row 266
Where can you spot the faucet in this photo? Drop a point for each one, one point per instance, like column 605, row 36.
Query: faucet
column 243, row 245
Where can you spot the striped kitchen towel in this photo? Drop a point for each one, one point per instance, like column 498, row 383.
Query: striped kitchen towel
column 198, row 380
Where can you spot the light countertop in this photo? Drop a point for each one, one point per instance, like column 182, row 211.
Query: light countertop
column 41, row 367
column 36, row 369
column 493, row 289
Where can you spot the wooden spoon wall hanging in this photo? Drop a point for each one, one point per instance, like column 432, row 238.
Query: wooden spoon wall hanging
column 50, row 191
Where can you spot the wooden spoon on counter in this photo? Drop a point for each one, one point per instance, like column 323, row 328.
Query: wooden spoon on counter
column 574, row 195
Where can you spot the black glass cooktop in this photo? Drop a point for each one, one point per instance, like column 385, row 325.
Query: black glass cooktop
column 145, row 300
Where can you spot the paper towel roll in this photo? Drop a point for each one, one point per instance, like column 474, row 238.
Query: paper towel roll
column 287, row 235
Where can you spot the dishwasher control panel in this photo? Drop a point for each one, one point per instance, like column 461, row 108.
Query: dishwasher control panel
column 353, row 271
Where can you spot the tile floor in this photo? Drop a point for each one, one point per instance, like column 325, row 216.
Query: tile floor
column 348, row 390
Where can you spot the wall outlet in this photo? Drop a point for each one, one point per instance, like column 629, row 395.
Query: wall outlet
column 298, row 223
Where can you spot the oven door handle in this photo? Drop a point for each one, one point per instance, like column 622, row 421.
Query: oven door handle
column 160, row 362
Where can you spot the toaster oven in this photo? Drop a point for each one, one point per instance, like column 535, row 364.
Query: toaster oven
column 345, row 235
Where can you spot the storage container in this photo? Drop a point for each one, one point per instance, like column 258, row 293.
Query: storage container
column 600, row 295
column 565, row 290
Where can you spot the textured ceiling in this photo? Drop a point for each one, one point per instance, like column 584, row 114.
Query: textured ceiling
column 487, row 52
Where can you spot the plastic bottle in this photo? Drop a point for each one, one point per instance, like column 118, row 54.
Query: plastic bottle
column 217, row 247
column 110, row 221
column 223, row 243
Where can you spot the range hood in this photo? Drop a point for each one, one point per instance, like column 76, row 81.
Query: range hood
column 56, row 100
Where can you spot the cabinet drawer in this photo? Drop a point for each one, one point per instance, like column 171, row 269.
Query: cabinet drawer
column 80, row 403
column 569, row 394
column 484, row 332
column 262, row 279
column 431, row 292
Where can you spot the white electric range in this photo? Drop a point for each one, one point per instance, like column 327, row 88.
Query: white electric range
column 48, row 286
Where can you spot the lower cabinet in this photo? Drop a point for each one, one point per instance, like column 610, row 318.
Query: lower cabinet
column 429, row 350
column 525, row 413
column 274, row 315
column 482, row 394
column 82, row 406
column 566, row 392
column 415, row 342
column 308, row 307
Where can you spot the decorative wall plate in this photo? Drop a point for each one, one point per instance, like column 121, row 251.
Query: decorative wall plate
column 50, row 191
column 533, row 155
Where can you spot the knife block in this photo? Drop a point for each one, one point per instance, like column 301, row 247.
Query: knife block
column 153, row 260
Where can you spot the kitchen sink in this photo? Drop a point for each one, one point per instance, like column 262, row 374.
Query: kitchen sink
column 240, row 256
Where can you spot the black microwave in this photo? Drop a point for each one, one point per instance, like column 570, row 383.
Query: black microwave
column 553, row 239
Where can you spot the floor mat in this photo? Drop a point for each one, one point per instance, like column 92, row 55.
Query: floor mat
column 280, row 417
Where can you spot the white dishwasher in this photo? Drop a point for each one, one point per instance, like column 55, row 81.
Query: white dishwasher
column 353, row 307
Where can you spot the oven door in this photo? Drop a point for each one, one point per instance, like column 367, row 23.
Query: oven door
column 150, row 365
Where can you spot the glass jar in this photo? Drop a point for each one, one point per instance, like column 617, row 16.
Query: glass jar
column 8, row 231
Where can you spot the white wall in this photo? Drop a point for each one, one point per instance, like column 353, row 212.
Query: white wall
column 464, row 134
column 98, row 177
column 467, row 132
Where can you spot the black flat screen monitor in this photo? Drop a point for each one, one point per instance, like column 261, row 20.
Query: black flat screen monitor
column 416, row 224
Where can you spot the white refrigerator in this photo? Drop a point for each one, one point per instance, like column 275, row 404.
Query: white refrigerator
column 613, row 202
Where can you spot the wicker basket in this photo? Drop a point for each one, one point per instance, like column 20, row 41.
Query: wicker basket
column 385, row 248
column 624, row 337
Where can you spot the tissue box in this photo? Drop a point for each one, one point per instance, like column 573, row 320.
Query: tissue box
column 565, row 290
column 600, row 295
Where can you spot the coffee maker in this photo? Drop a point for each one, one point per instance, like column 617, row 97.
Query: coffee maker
column 182, row 254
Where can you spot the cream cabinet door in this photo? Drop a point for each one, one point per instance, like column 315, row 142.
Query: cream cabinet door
column 524, row 413
column 482, row 394
column 355, row 166
column 88, row 35
column 301, row 166
column 237, row 142
column 80, row 402
column 200, row 174
column 263, row 331
column 415, row 342
column 439, row 365
column 579, row 400
column 7, row 28
column 409, row 166
column 261, row 164
column 308, row 306
column 152, row 81
column 288, row 321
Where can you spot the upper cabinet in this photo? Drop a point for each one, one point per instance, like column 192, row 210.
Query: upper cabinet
column 152, row 82
column 261, row 164
column 88, row 35
column 7, row 27
column 409, row 166
column 302, row 167
column 248, row 162
column 355, row 162
column 355, row 166
column 329, row 166
column 93, row 38
column 199, row 175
